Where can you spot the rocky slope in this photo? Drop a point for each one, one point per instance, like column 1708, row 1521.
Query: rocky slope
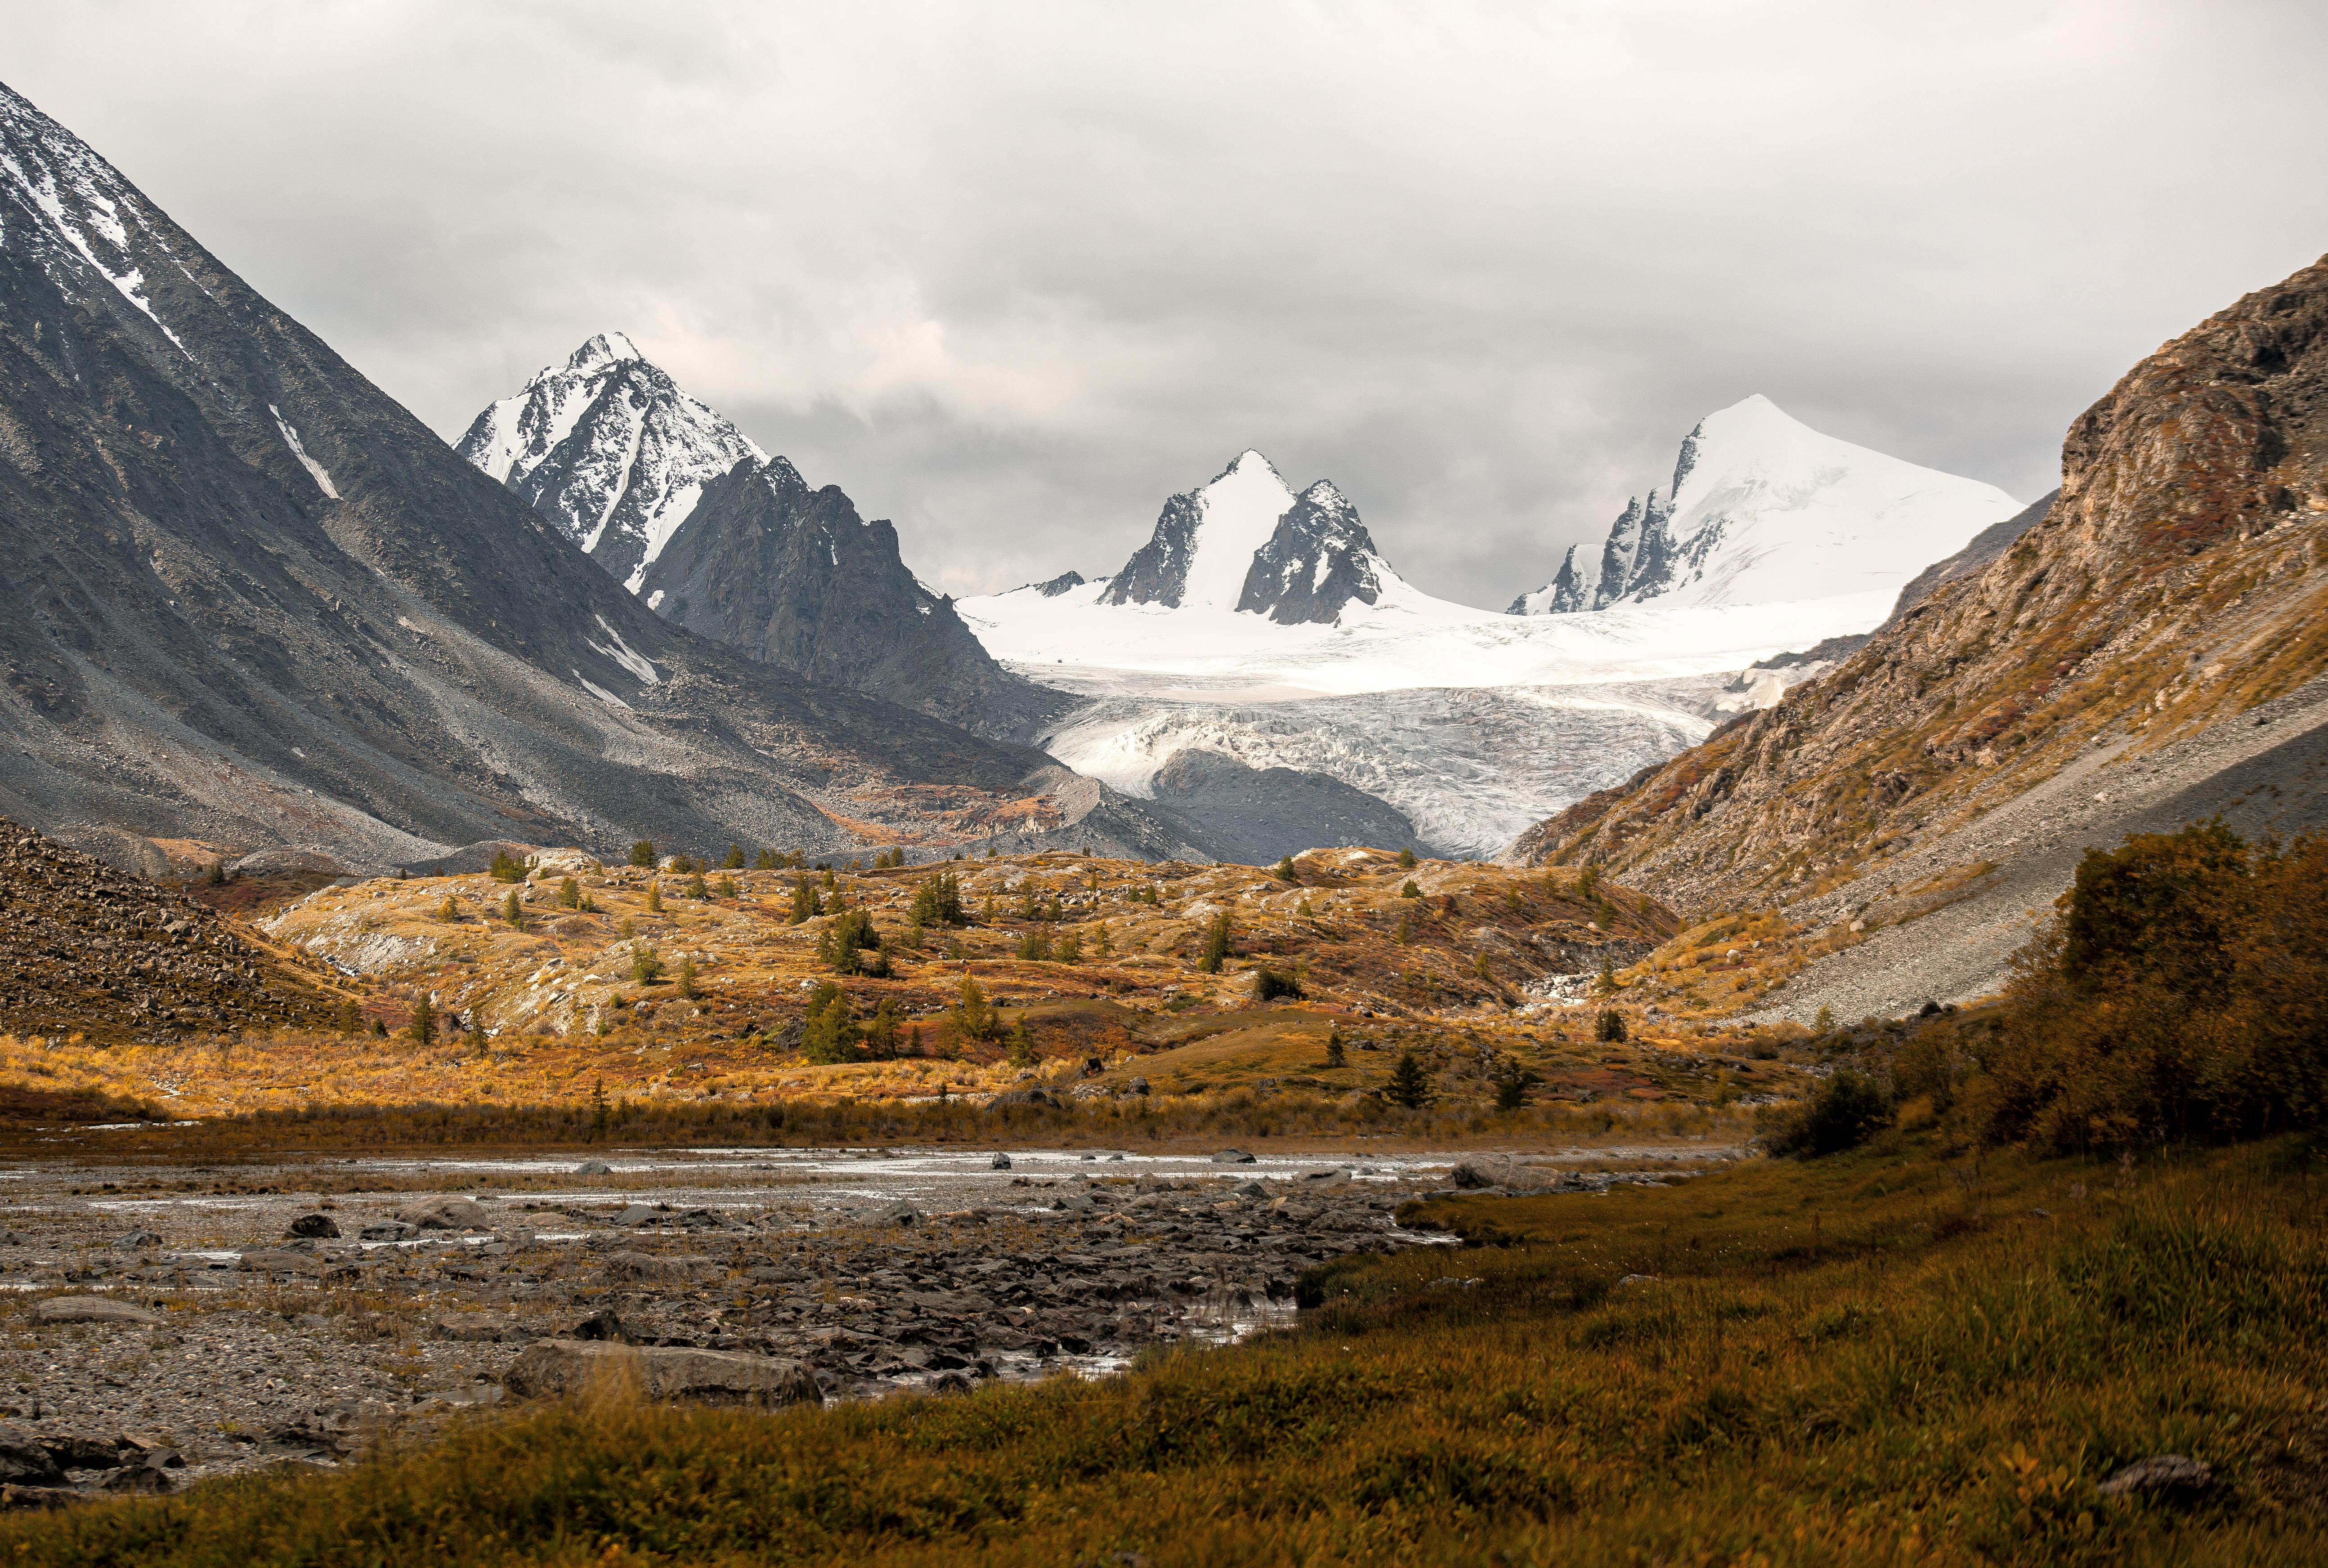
column 1261, row 814
column 717, row 536
column 251, row 600
column 89, row 951
column 1762, row 508
column 2174, row 585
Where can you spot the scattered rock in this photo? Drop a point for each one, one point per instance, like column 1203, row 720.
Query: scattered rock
column 136, row 1241
column 1000, row 1162
column 2173, row 1478
column 93, row 1309
column 314, row 1225
column 637, row 1214
column 594, row 1168
column 445, row 1211
column 277, row 1261
column 1137, row 1086
column 1233, row 1157
column 556, row 1367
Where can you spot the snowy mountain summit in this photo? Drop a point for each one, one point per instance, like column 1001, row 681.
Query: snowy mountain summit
column 1244, row 541
column 1764, row 509
column 607, row 447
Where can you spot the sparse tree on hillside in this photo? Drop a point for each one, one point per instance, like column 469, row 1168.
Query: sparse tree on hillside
column 424, row 1021
column 1610, row 1029
column 1406, row 860
column 974, row 1017
column 643, row 853
column 448, row 911
column 1335, row 1056
column 881, row 1034
column 1409, row 1084
column 1410, row 891
column 687, row 987
column 735, row 862
column 1217, row 944
column 513, row 911
column 696, row 889
column 1285, row 871
column 766, row 861
column 1103, row 944
column 937, row 901
column 1020, row 1045
column 1511, row 1086
column 1069, row 948
column 655, row 897
column 569, row 894
column 1035, row 946
column 726, row 888
column 646, row 968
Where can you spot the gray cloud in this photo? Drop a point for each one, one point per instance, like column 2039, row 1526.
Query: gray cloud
column 1011, row 274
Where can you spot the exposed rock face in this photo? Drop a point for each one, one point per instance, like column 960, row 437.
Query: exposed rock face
column 1259, row 816
column 794, row 577
column 1320, row 559
column 1060, row 585
column 662, row 1374
column 610, row 449
column 1987, row 545
column 252, row 601
column 85, row 949
column 2176, row 582
column 1244, row 541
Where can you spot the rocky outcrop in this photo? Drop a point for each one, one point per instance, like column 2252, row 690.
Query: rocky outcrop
column 794, row 578
column 1320, row 559
column 2176, row 583
column 555, row 1367
column 87, row 950
column 1259, row 816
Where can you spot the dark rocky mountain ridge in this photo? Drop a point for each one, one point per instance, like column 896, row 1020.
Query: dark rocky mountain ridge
column 252, row 600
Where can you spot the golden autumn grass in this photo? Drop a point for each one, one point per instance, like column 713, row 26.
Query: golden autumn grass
column 1901, row 1354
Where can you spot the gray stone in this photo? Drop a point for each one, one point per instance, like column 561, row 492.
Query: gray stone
column 1479, row 1171
column 1233, row 1157
column 312, row 1225
column 2166, row 1477
column 637, row 1214
column 1137, row 1086
column 386, row 1230
column 93, row 1309
column 278, row 1261
column 1000, row 1162
column 136, row 1241
column 445, row 1211
column 594, row 1168
column 557, row 1367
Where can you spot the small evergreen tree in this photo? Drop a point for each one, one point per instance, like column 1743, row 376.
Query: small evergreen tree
column 1406, row 860
column 646, row 968
column 506, row 870
column 937, row 901
column 687, row 987
column 735, row 862
column 448, row 911
column 1511, row 1087
column 1406, row 931
column 1482, row 969
column 1020, row 1045
column 1825, row 1022
column 1035, row 947
column 1588, row 882
column 881, row 1035
column 655, row 896
column 599, row 1110
column 513, row 911
column 1610, row 1027
column 806, row 905
column 766, row 861
column 351, row 1017
column 1335, row 1054
column 1409, row 1084
column 1070, row 948
column 569, row 894
column 643, row 853
column 1410, row 891
column 1269, row 984
column 726, row 888
column 1101, row 943
column 696, row 889
column 974, row 1017
column 1285, row 871
column 379, row 1028
column 1304, row 910
column 1217, row 944
column 424, row 1021
column 832, row 1033
column 831, row 881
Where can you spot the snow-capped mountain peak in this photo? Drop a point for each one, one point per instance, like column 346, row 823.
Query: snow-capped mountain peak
column 1204, row 539
column 1762, row 508
column 609, row 448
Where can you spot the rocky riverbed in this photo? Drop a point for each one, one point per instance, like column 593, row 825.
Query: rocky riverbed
column 170, row 1322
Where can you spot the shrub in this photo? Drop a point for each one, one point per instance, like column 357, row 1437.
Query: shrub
column 643, row 853
column 1610, row 1027
column 1406, row 860
column 655, row 897
column 1269, row 984
column 1285, row 871
column 1335, row 1054
column 1841, row 1114
column 1410, row 891
column 1511, row 1087
column 646, row 968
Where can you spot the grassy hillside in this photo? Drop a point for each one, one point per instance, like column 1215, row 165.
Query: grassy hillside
column 1903, row 1353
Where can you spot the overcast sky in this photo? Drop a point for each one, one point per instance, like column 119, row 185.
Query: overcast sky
column 1011, row 274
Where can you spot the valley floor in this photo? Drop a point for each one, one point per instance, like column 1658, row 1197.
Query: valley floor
column 1907, row 1354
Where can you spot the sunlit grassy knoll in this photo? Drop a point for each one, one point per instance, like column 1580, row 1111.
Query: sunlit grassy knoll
column 1884, row 1356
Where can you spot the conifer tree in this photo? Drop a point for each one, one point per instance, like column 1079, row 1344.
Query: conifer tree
column 1035, row 947
column 687, row 980
column 424, row 1021
column 973, row 1018
column 1406, row 860
column 1285, row 871
column 727, row 888
column 1409, row 1084
column 646, row 968
column 655, row 897
column 1610, row 1027
column 695, row 887
column 1070, row 948
column 735, row 862
column 1410, row 891
column 1020, row 1045
column 1102, row 943
column 643, row 853
column 766, row 862
column 569, row 894
column 513, row 911
column 1217, row 944
column 448, row 911
column 1334, row 1053
column 806, row 905
column 881, row 1035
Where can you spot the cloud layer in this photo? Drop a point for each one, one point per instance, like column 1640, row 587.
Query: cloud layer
column 1011, row 274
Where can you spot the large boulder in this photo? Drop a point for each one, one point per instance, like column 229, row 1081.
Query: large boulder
column 92, row 1309
column 552, row 1368
column 1479, row 1172
column 445, row 1211
column 315, row 1228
